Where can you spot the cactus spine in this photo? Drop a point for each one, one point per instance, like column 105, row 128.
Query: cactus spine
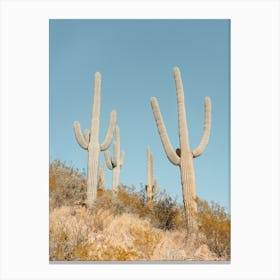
column 115, row 164
column 90, row 141
column 151, row 187
column 183, row 157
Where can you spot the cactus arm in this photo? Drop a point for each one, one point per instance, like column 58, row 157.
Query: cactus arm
column 115, row 157
column 122, row 158
column 116, row 148
column 108, row 160
column 206, row 130
column 87, row 135
column 110, row 132
column 182, row 120
column 82, row 141
column 170, row 153
column 116, row 163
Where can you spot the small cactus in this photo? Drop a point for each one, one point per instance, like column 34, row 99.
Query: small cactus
column 90, row 141
column 151, row 187
column 115, row 164
column 183, row 156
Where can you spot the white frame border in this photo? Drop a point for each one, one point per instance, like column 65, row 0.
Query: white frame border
column 254, row 149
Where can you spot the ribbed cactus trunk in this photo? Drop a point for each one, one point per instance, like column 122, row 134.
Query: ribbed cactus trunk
column 116, row 178
column 186, row 162
column 115, row 164
column 93, row 146
column 183, row 156
column 151, row 187
column 90, row 141
column 101, row 176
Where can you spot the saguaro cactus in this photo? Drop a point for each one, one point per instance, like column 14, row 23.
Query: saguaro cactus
column 90, row 141
column 183, row 156
column 151, row 187
column 115, row 164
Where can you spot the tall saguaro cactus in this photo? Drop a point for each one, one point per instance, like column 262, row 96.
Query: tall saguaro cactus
column 115, row 164
column 183, row 156
column 90, row 140
column 151, row 187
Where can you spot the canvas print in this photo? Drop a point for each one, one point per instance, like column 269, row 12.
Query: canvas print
column 139, row 165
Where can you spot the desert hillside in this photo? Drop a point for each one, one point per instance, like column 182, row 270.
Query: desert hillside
column 123, row 227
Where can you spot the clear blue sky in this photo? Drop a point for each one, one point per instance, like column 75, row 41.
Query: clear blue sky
column 136, row 60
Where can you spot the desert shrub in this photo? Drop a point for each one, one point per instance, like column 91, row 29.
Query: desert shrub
column 106, row 251
column 82, row 235
column 122, row 226
column 214, row 224
column 66, row 185
column 163, row 213
column 72, row 228
column 166, row 214
column 132, row 200
column 126, row 200
column 66, row 232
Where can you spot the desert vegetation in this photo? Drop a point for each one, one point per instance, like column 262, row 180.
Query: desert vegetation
column 90, row 222
column 121, row 226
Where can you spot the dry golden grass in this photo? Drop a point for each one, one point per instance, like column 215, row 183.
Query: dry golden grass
column 79, row 234
column 66, row 185
column 215, row 228
column 122, row 228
